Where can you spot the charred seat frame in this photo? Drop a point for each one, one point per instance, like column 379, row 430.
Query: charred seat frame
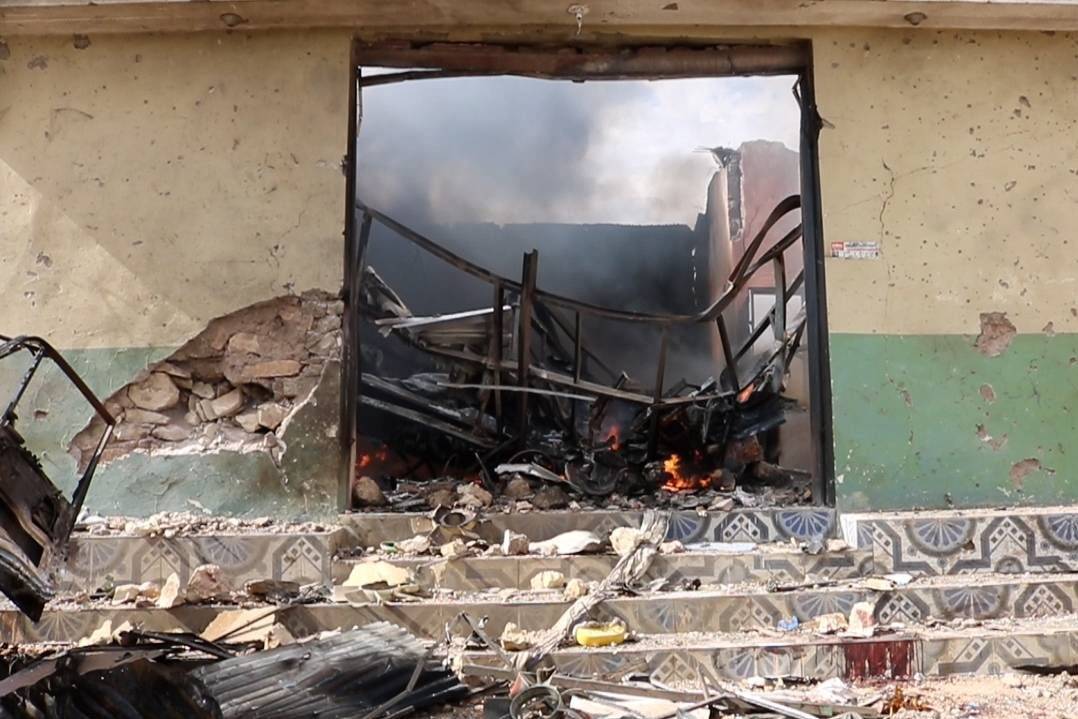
column 36, row 520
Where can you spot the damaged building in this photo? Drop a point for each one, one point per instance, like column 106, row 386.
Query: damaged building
column 602, row 359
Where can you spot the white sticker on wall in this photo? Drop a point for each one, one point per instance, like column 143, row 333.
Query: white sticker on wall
column 855, row 250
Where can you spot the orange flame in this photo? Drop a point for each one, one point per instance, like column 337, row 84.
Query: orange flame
column 679, row 479
column 614, row 438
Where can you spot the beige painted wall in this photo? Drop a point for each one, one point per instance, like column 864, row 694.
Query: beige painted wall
column 150, row 183
column 957, row 152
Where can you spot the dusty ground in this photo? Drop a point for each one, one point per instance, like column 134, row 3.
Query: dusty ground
column 1003, row 697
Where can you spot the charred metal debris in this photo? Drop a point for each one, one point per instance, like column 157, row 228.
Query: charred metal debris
column 516, row 390
column 35, row 518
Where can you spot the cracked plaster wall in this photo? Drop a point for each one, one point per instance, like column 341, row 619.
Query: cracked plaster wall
column 147, row 185
column 152, row 183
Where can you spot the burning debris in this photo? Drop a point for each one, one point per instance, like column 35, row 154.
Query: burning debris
column 511, row 398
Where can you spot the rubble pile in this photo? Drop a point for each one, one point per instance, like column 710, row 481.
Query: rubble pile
column 189, row 524
column 233, row 385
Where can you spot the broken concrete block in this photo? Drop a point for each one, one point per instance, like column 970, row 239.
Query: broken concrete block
column 862, row 619
column 128, row 432
column 245, row 342
column 207, row 583
column 367, row 574
column 624, row 540
column 155, row 393
column 828, row 623
column 226, row 405
column 271, row 414
column 419, row 544
column 172, row 432
column 454, row 550
column 575, row 589
column 515, row 639
column 671, row 547
column 144, row 416
column 248, row 421
column 441, row 498
column 549, row 579
column 149, row 590
column 203, row 390
column 367, row 493
column 514, row 543
column 271, row 369
column 878, row 584
column 124, row 593
column 171, row 595
column 274, row 589
column 473, row 496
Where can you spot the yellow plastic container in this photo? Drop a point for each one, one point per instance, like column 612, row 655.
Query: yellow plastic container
column 600, row 635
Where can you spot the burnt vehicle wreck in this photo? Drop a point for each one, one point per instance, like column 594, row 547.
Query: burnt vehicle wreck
column 36, row 519
column 516, row 389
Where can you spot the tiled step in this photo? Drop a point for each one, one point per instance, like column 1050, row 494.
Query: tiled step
column 1013, row 540
column 764, row 564
column 738, row 525
column 303, row 558
column 992, row 597
column 680, row 660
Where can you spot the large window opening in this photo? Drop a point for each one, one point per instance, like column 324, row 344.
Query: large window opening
column 589, row 293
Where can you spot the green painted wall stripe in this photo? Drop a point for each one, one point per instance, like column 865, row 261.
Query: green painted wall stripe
column 928, row 421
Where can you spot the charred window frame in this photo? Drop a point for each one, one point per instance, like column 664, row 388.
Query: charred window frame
column 447, row 60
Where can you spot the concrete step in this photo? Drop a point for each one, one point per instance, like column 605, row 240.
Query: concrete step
column 301, row 557
column 762, row 564
column 680, row 660
column 737, row 525
column 748, row 609
column 1012, row 540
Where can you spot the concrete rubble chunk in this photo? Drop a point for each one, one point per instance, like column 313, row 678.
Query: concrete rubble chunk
column 203, row 390
column 171, row 595
column 671, row 547
column 367, row 493
column 473, row 496
column 124, row 593
column 144, row 416
column 862, row 620
column 550, row 497
column 624, row 540
column 172, row 370
column 271, row 369
column 419, row 544
column 575, row 589
column 207, row 583
column 155, row 393
column 514, row 544
column 518, row 488
column 247, row 342
column 878, row 584
column 515, row 639
column 248, row 421
column 172, row 432
column 271, row 414
column 227, row 404
column 271, row 588
column 549, row 579
column 828, row 623
column 366, row 574
column 454, row 550
column 149, row 590
column 577, row 541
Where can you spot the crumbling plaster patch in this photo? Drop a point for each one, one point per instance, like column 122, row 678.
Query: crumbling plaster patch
column 240, row 385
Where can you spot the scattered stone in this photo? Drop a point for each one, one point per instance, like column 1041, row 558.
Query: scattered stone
column 514, row 543
column 419, row 544
column 226, row 405
column 829, row 623
column 143, row 416
column 575, row 589
column 550, row 497
column 900, row 579
column 549, row 579
column 271, row 414
column 721, row 504
column 271, row 369
column 577, row 541
column 863, row 619
column 248, row 420
column 473, row 496
column 837, row 545
column 454, row 550
column 155, row 393
column 878, row 584
column 273, row 589
column 149, row 590
column 171, row 595
column 624, row 540
column 207, row 584
column 367, row 493
column 124, row 593
column 203, row 390
column 518, row 488
column 172, row 432
column 515, row 639
column 368, row 574
column 672, row 547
